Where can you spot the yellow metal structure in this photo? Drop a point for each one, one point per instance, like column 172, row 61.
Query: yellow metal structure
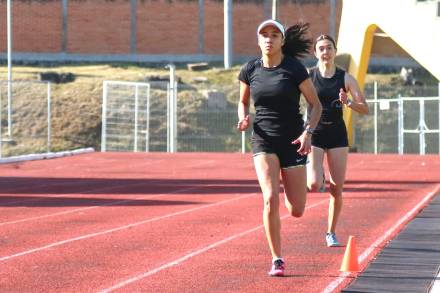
column 414, row 25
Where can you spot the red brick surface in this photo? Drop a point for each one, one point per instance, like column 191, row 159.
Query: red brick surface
column 163, row 27
column 98, row 26
column 37, row 26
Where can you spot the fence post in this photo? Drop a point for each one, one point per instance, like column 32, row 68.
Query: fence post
column 400, row 126
column 227, row 19
column 375, row 117
column 175, row 115
column 274, row 10
column 133, row 27
column 201, row 26
column 104, row 117
column 332, row 24
column 172, row 112
column 147, row 131
column 243, row 142
column 9, row 46
column 168, row 116
column 64, row 24
column 421, row 127
column 136, row 117
column 1, row 134
column 49, row 118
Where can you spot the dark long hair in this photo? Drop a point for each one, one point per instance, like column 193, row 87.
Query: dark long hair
column 324, row 37
column 296, row 42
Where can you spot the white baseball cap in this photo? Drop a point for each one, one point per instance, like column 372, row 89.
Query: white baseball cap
column 271, row 22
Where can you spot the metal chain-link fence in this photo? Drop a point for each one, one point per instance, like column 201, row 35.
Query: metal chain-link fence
column 206, row 118
column 24, row 118
column 402, row 119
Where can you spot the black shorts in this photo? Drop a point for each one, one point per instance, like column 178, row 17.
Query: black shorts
column 330, row 135
column 286, row 152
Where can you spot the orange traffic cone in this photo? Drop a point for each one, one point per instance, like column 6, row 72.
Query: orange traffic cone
column 350, row 262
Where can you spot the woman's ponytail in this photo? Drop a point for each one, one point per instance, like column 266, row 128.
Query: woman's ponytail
column 296, row 43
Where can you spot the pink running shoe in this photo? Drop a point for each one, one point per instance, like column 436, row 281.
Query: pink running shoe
column 277, row 268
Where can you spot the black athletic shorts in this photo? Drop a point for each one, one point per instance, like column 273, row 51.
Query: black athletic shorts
column 330, row 135
column 286, row 152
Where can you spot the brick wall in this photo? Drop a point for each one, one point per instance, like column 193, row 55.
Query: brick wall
column 98, row 26
column 37, row 26
column 163, row 26
column 167, row 28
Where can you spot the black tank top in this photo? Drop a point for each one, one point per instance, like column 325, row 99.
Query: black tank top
column 328, row 93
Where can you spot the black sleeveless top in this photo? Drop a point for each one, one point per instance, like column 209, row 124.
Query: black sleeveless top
column 328, row 93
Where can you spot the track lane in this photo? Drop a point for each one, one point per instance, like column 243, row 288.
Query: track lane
column 377, row 192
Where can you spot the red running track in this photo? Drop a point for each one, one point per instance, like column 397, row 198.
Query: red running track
column 188, row 222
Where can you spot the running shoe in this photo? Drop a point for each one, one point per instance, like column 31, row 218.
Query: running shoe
column 331, row 240
column 277, row 268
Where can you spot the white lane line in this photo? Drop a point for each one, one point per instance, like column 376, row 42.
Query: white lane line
column 98, row 206
column 194, row 253
column 435, row 287
column 59, row 243
column 402, row 221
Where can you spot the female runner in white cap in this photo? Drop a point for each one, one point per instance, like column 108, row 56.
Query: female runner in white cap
column 280, row 143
